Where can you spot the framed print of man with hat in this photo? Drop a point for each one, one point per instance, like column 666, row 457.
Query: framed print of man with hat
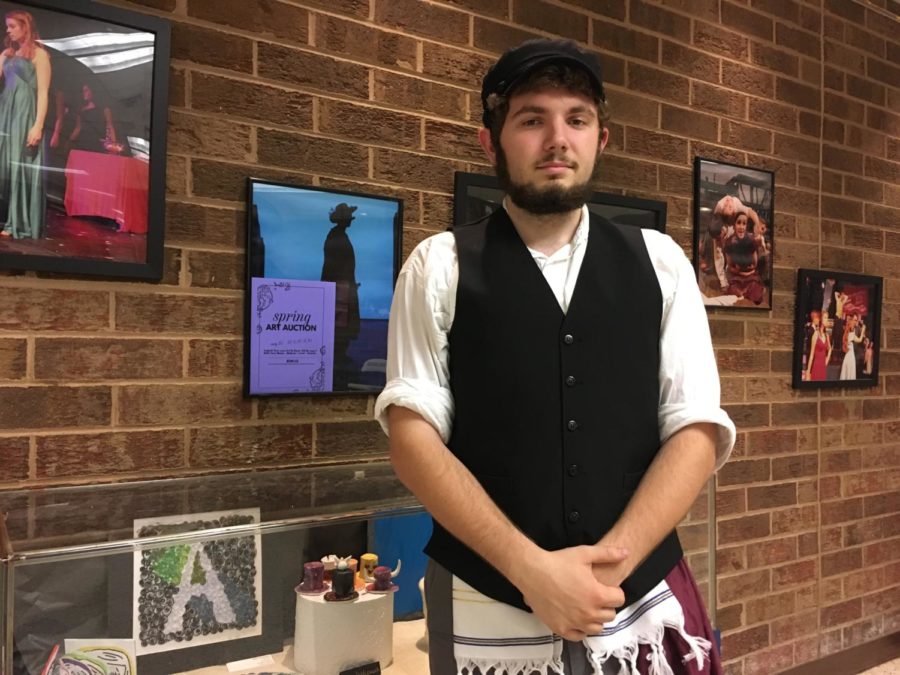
column 552, row 398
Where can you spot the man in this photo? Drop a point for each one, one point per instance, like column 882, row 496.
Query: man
column 339, row 266
column 552, row 399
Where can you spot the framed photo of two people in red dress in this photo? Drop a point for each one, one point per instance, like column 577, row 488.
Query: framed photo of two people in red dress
column 734, row 234
column 837, row 330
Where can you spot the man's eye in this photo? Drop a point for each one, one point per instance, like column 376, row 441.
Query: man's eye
column 531, row 122
column 578, row 122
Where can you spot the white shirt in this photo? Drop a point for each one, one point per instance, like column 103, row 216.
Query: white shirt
column 424, row 306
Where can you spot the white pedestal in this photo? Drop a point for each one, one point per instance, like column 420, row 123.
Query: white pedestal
column 332, row 636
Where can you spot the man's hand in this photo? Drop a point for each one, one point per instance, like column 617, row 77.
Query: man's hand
column 562, row 591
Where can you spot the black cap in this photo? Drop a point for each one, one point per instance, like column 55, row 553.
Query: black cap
column 519, row 61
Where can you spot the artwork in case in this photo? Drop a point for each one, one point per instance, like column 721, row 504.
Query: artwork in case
column 734, row 233
column 477, row 195
column 82, row 139
column 197, row 593
column 836, row 330
column 320, row 279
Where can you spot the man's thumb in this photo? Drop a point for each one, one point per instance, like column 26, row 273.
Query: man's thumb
column 608, row 554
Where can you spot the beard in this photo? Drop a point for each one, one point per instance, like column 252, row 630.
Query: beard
column 543, row 201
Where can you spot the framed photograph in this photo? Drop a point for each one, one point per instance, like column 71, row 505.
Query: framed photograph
column 837, row 328
column 734, row 234
column 320, row 279
column 83, row 139
column 476, row 195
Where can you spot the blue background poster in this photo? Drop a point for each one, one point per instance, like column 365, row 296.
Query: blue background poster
column 349, row 239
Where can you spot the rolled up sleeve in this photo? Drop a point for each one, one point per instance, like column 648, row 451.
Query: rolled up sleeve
column 421, row 313
column 688, row 377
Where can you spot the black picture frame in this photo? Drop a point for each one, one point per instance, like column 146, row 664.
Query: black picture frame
column 734, row 270
column 296, row 249
column 476, row 195
column 103, row 196
column 837, row 298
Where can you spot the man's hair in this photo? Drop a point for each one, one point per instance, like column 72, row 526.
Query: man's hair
column 559, row 76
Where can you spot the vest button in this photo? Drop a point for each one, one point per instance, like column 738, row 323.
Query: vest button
column 570, row 381
column 574, row 516
column 572, row 425
column 568, row 339
column 573, row 469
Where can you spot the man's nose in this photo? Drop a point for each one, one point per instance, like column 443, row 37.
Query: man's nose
column 557, row 134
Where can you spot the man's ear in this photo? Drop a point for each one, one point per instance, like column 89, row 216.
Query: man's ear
column 487, row 144
column 604, row 138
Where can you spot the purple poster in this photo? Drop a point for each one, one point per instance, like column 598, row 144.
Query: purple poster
column 291, row 336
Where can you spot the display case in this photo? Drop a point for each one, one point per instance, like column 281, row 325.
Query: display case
column 200, row 573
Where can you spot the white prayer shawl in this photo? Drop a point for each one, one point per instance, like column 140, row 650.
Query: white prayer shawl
column 490, row 634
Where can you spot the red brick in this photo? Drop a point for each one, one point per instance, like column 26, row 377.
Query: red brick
column 773, row 58
column 795, row 519
column 319, row 155
column 770, row 553
column 307, row 69
column 211, row 47
column 843, row 612
column 551, row 18
column 720, row 41
column 659, row 146
column 200, row 224
column 368, row 124
column 738, row 472
column 746, row 136
column 749, row 80
column 667, row 86
column 797, row 94
column 772, row 442
column 660, row 20
column 461, row 67
column 885, row 408
column 215, row 358
column 433, row 21
column 691, row 62
column 15, row 453
column 219, row 447
column 181, row 404
column 497, row 37
column 416, row 94
column 744, row 585
column 718, row 100
column 794, row 413
column 140, row 312
column 796, row 466
column 266, row 17
column 841, row 511
column 110, row 453
column 793, row 574
column 13, row 352
column 771, row 496
column 839, row 410
column 746, row 641
column 364, row 43
column 770, row 607
column 747, row 21
column 750, row 415
column 841, row 562
column 350, row 439
column 743, row 529
column 54, row 310
column 844, row 108
column 92, row 359
column 54, row 407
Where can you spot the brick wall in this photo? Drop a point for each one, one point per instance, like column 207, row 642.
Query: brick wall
column 103, row 380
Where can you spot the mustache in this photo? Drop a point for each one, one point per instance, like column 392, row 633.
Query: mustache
column 546, row 159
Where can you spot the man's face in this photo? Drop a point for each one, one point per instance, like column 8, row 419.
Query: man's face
column 549, row 147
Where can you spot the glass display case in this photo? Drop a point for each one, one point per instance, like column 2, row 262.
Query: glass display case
column 203, row 574
column 191, row 574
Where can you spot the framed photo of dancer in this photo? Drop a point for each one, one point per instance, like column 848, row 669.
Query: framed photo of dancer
column 476, row 195
column 837, row 330
column 734, row 234
column 83, row 139
column 321, row 270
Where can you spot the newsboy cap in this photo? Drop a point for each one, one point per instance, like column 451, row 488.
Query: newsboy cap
column 516, row 63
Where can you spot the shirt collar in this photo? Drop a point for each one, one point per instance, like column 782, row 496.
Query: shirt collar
column 581, row 232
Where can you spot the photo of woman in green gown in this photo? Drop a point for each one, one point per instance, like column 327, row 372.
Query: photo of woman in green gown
column 25, row 66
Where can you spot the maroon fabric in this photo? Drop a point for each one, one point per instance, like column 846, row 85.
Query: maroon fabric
column 696, row 623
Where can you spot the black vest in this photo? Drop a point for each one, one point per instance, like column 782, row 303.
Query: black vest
column 556, row 414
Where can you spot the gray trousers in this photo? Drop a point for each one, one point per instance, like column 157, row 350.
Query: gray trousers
column 439, row 600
